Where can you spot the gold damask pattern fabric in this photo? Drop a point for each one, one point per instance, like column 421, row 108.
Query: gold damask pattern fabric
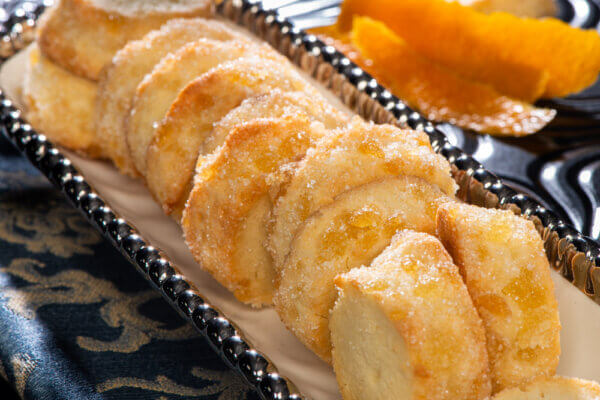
column 76, row 320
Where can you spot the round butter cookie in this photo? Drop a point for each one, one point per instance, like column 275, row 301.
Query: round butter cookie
column 224, row 219
column 501, row 257
column 406, row 328
column 349, row 232
column 157, row 91
column 120, row 78
column 83, row 35
column 274, row 104
column 351, row 157
column 180, row 137
column 59, row 104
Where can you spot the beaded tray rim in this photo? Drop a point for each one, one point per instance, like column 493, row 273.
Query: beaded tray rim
column 576, row 256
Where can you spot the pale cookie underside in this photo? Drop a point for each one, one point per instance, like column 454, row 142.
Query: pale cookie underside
column 387, row 367
column 428, row 341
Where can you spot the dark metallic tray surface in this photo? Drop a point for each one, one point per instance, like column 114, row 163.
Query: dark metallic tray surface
column 559, row 169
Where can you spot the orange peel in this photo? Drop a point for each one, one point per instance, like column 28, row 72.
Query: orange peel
column 439, row 93
column 522, row 58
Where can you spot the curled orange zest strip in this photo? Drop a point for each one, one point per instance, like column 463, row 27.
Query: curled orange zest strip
column 522, row 58
column 435, row 91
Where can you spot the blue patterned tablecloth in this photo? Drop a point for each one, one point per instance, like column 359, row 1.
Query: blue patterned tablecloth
column 76, row 320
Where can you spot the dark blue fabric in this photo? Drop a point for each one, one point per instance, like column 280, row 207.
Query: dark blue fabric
column 76, row 320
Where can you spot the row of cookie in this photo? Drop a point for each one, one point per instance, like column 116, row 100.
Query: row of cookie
column 283, row 205
column 388, row 171
column 338, row 210
column 367, row 181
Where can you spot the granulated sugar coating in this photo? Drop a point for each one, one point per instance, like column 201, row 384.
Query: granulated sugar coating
column 225, row 215
column 157, row 91
column 501, row 257
column 406, row 325
column 128, row 68
column 274, row 104
column 180, row 138
column 82, row 36
column 348, row 158
column 346, row 234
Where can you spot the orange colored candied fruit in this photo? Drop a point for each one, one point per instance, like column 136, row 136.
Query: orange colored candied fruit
column 356, row 228
column 522, row 58
column 439, row 93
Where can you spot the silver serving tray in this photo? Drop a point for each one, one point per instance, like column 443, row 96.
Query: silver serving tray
column 575, row 256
